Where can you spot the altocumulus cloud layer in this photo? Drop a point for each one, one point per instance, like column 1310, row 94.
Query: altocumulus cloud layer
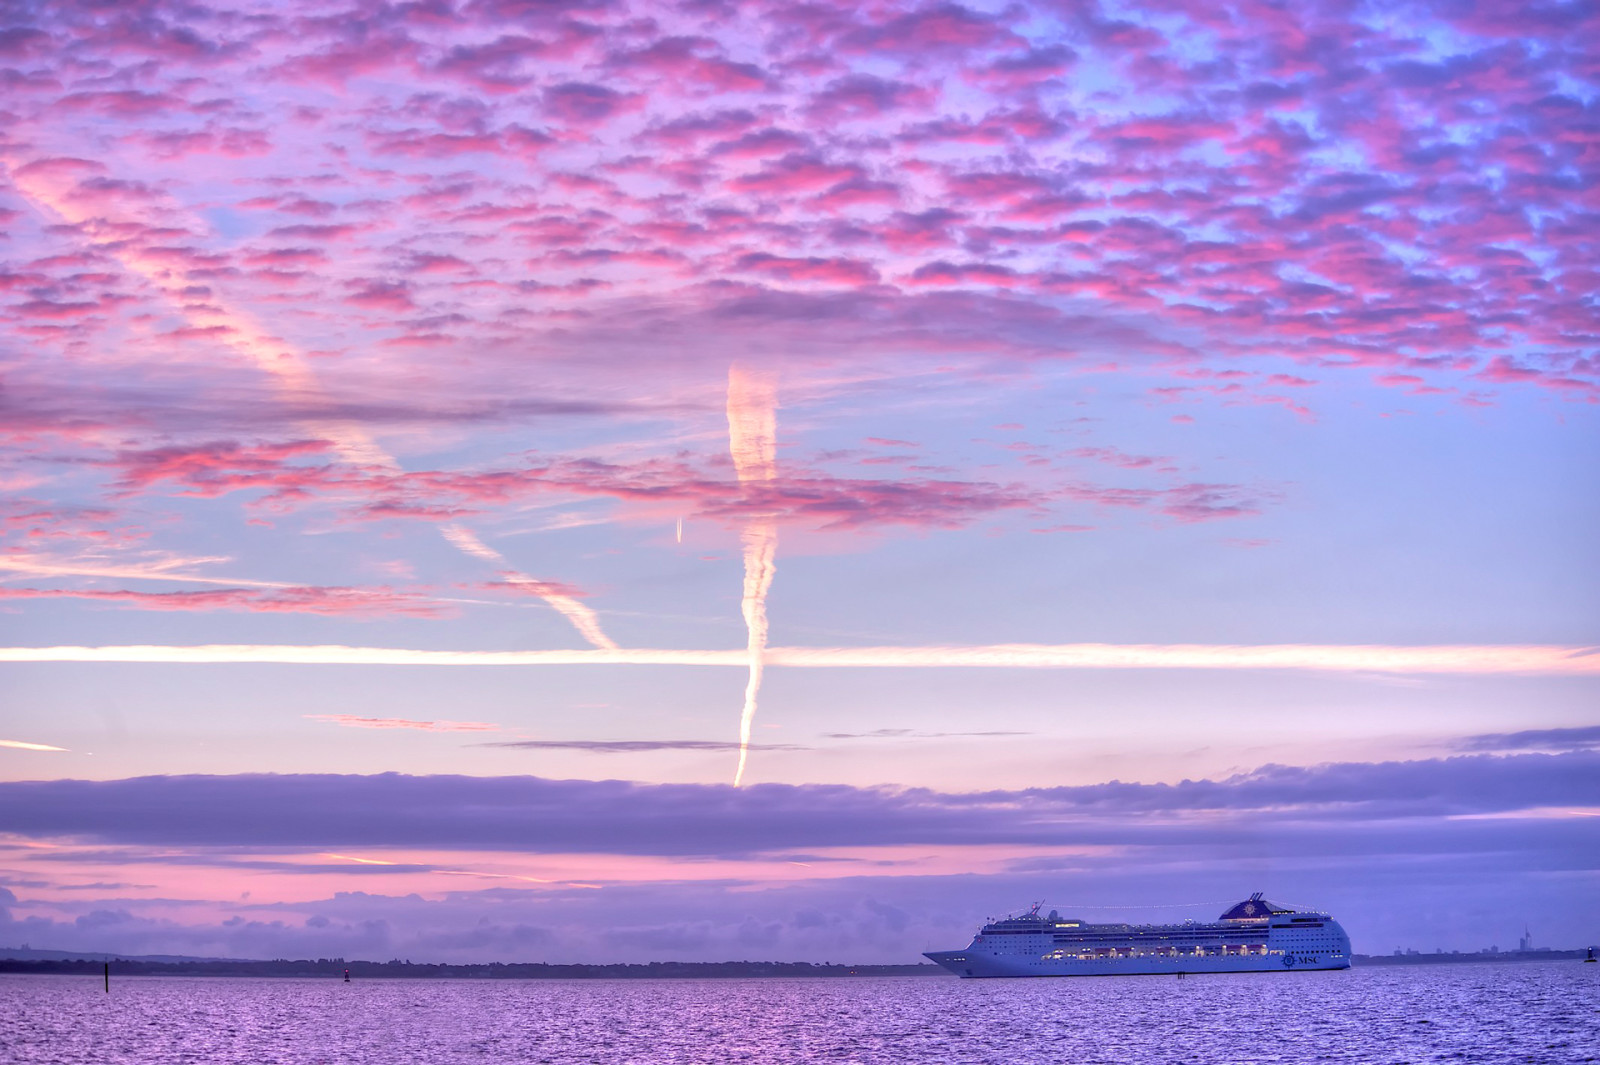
column 1392, row 184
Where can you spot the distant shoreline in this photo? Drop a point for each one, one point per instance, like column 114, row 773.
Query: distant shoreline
column 1451, row 957
column 335, row 968
column 403, row 970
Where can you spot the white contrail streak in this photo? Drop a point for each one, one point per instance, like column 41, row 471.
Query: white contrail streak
column 34, row 566
column 21, row 746
column 1463, row 659
column 585, row 620
column 294, row 379
column 753, row 443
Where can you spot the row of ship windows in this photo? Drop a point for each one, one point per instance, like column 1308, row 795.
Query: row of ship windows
column 1161, row 952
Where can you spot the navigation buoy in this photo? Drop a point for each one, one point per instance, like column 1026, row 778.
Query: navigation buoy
column 347, row 976
column 108, row 974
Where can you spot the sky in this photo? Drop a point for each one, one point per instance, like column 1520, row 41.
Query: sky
column 623, row 481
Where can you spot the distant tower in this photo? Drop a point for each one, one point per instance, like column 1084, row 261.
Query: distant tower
column 1526, row 942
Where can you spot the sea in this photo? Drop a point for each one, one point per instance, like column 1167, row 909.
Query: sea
column 1533, row 1012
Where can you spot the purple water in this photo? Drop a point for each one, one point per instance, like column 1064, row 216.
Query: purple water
column 1458, row 1013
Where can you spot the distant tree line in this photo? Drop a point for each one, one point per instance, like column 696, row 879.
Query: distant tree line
column 397, row 969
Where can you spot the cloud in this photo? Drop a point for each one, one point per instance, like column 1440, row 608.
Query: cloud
column 325, row 601
column 530, row 814
column 1549, row 739
column 296, row 473
column 352, row 721
column 909, row 734
column 639, row 746
column 584, row 103
column 858, row 97
column 929, row 93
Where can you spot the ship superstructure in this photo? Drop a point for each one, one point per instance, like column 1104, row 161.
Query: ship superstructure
column 1252, row 936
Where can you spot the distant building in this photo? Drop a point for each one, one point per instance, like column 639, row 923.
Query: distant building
column 1526, row 942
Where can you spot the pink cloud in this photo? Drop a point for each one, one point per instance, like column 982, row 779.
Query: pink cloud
column 694, row 59
column 352, row 721
column 931, row 30
column 121, row 104
column 585, row 104
column 378, row 295
column 764, row 143
column 826, row 271
column 211, row 469
column 866, row 96
column 795, row 173
column 1208, row 502
column 423, row 144
column 324, row 601
column 503, row 65
column 801, row 497
column 943, row 273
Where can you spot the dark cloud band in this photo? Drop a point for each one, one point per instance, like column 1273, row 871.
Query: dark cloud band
column 1479, row 794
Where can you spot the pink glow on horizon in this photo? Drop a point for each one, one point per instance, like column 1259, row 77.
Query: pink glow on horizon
column 305, row 876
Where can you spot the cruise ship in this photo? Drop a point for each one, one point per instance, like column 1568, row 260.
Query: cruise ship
column 1254, row 936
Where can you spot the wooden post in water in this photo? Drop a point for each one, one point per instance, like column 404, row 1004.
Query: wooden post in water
column 108, row 978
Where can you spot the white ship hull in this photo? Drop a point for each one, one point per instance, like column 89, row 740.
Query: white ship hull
column 1254, row 936
column 981, row 966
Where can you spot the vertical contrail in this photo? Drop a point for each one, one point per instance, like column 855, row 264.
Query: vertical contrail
column 294, row 379
column 585, row 620
column 752, row 440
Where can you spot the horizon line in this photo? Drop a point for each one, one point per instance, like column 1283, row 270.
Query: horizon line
column 9, row 956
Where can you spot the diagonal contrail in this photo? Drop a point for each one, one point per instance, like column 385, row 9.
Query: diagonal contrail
column 753, row 442
column 294, row 378
column 585, row 620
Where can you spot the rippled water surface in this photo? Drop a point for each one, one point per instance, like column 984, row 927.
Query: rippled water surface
column 1469, row 1013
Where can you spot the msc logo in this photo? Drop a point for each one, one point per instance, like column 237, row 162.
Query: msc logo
column 1288, row 961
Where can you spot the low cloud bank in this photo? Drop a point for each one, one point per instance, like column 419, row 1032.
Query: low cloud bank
column 1456, row 852
column 533, row 814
